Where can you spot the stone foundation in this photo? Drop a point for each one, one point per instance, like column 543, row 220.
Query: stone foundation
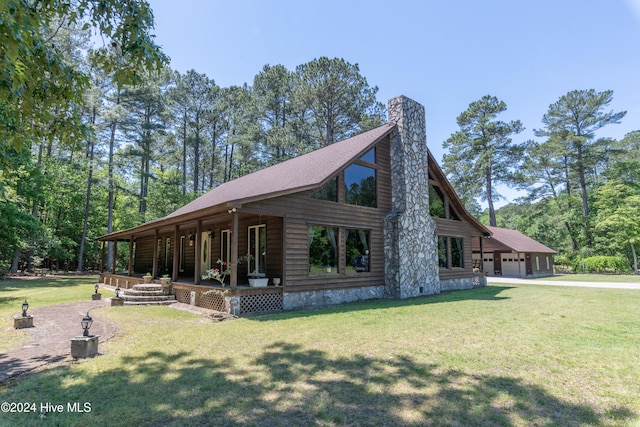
column 477, row 281
column 318, row 299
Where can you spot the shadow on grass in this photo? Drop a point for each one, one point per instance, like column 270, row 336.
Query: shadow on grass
column 487, row 293
column 290, row 385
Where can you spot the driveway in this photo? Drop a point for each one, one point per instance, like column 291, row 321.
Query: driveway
column 50, row 338
column 611, row 285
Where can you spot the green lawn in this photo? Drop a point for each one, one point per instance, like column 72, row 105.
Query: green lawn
column 502, row 355
column 617, row 278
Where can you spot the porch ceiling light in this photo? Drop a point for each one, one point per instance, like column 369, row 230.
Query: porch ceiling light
column 86, row 323
column 25, row 307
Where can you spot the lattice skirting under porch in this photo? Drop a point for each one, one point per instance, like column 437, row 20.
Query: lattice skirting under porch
column 477, row 282
column 211, row 301
column 260, row 303
column 252, row 303
column 183, row 295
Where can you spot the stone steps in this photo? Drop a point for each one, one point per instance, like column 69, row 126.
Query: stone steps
column 165, row 302
column 146, row 294
column 134, row 293
column 146, row 287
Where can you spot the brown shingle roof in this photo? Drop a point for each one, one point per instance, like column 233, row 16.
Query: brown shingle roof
column 517, row 241
column 297, row 174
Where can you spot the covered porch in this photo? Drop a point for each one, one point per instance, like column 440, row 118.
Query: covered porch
column 240, row 301
column 239, row 243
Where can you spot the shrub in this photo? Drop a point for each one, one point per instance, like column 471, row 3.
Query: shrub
column 603, row 265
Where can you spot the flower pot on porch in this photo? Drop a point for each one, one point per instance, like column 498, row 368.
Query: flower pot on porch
column 147, row 279
column 259, row 282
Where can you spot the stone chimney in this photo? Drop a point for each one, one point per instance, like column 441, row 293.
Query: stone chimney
column 411, row 244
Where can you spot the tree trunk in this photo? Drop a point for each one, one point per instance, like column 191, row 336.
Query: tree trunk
column 635, row 259
column 87, row 204
column 489, row 189
column 144, row 164
column 110, row 202
column 16, row 261
column 196, row 154
column 213, row 157
column 184, row 153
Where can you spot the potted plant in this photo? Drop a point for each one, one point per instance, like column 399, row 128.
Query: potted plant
column 147, row 278
column 257, row 280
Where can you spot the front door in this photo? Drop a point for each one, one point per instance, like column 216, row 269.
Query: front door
column 205, row 251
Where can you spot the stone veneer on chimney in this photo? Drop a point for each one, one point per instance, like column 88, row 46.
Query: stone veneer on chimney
column 410, row 241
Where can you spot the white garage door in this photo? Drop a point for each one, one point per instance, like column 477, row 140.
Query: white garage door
column 512, row 263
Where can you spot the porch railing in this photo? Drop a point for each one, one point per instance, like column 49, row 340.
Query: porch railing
column 125, row 282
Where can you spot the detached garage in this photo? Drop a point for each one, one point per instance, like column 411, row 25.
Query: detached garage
column 512, row 254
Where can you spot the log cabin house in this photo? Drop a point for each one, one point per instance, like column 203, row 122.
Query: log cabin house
column 371, row 216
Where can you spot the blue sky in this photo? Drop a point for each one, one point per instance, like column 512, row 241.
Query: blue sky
column 444, row 54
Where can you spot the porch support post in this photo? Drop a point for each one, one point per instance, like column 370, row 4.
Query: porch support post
column 481, row 254
column 198, row 256
column 233, row 278
column 176, row 253
column 115, row 256
column 154, row 268
column 130, row 255
column 102, row 250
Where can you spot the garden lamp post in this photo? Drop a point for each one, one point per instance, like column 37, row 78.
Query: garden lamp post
column 118, row 291
column 96, row 287
column 86, row 345
column 25, row 307
column 86, row 324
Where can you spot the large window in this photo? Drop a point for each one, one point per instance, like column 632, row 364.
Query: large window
column 323, row 250
column 443, row 259
column 168, row 257
column 360, row 186
column 450, row 252
column 436, row 202
column 357, row 250
column 258, row 249
column 437, row 207
column 225, row 249
column 369, row 156
column 329, row 191
column 183, row 241
column 457, row 252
